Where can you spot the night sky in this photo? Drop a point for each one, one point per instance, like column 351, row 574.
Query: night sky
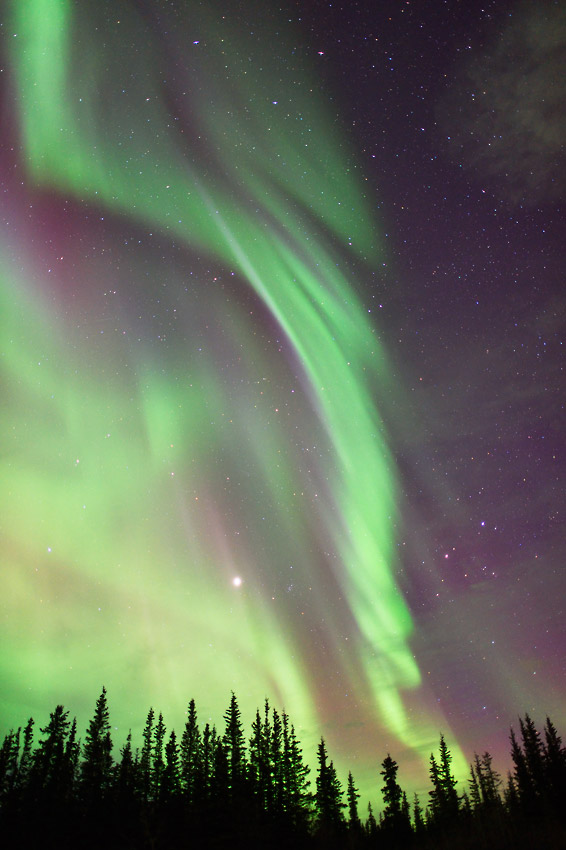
column 283, row 313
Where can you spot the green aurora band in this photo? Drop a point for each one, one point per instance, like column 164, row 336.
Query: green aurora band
column 141, row 479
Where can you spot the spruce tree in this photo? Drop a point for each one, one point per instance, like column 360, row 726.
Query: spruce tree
column 234, row 747
column 511, row 796
column 9, row 758
column 534, row 755
column 72, row 756
column 465, row 807
column 447, row 780
column 436, row 794
column 298, row 797
column 209, row 738
column 220, row 785
column 371, row 823
column 26, row 758
column 391, row 792
column 418, row 815
column 158, row 765
column 395, row 818
column 126, row 780
column 146, row 757
column 276, row 766
column 352, row 796
column 444, row 803
column 405, row 812
column 171, row 778
column 328, row 798
column 96, row 767
column 259, row 768
column 523, row 781
column 554, row 765
column 192, row 771
column 489, row 781
column 49, row 775
column 475, row 794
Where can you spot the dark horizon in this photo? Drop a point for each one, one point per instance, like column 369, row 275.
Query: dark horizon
column 253, row 787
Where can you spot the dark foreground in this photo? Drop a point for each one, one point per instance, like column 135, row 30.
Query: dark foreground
column 214, row 790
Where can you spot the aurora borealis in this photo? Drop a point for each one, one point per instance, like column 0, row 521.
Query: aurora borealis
column 223, row 468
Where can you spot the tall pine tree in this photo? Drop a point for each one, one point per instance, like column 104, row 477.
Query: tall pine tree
column 328, row 797
column 352, row 796
column 235, row 749
column 396, row 819
column 96, row 768
column 146, row 757
column 194, row 780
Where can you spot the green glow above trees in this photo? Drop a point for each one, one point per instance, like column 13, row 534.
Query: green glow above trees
column 142, row 481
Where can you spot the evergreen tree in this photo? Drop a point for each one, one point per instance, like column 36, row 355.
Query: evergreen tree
column 475, row 795
column 72, row 755
column 277, row 800
column 534, row 755
column 555, row 765
column 146, row 758
column 443, row 797
column 26, row 758
column 9, row 757
column 269, row 763
column 371, row 823
column 489, row 781
column 259, row 768
column 328, row 798
column 395, row 819
column 523, row 781
column 352, row 796
column 405, row 811
column 49, row 775
column 447, row 780
column 192, row 773
column 465, row 805
column 220, row 787
column 511, row 796
column 209, row 738
column 234, row 747
column 436, row 797
column 158, row 765
column 391, row 792
column 96, row 767
column 418, row 815
column 171, row 778
column 296, row 778
column 125, row 784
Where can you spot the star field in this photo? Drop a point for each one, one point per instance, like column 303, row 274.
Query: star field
column 283, row 368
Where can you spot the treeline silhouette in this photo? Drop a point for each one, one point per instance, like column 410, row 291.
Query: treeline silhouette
column 211, row 789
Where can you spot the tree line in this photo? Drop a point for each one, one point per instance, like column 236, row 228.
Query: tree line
column 216, row 789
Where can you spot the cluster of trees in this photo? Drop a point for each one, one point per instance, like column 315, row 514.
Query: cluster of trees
column 213, row 790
